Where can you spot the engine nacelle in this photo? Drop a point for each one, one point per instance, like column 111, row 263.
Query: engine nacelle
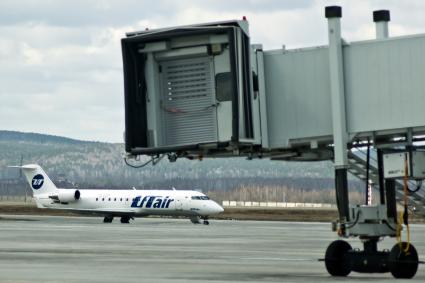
column 65, row 195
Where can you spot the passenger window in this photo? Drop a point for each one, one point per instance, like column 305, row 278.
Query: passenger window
column 97, row 199
column 115, row 199
column 109, row 199
column 120, row 199
column 127, row 199
column 103, row 199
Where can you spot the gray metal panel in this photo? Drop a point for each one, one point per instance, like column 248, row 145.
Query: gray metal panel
column 298, row 95
column 385, row 85
column 188, row 101
column 263, row 101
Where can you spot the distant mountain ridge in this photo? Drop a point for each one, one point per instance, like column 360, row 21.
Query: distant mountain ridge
column 36, row 137
column 101, row 164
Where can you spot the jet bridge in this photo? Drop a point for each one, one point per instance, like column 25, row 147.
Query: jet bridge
column 204, row 91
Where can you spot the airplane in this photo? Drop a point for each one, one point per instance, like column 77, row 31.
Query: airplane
column 126, row 204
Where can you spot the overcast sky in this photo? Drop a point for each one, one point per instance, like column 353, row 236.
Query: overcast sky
column 60, row 61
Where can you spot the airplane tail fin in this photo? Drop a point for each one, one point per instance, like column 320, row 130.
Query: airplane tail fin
column 39, row 182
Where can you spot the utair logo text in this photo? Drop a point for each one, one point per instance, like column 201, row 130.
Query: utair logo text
column 151, row 202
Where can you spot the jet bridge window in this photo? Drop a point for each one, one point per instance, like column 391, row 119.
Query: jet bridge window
column 223, row 82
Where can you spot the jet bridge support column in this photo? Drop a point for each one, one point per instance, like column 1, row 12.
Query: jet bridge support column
column 381, row 19
column 333, row 14
column 386, row 187
column 369, row 223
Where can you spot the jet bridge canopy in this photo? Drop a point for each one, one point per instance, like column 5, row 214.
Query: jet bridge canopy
column 188, row 87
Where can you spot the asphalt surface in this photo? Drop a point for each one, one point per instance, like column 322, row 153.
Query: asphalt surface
column 73, row 249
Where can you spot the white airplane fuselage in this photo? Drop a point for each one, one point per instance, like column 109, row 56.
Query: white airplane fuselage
column 119, row 203
column 134, row 202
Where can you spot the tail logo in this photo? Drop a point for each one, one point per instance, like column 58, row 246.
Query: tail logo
column 37, row 181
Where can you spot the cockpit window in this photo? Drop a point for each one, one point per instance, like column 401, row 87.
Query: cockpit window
column 200, row 197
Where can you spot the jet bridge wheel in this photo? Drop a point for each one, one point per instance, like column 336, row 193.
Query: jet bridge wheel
column 336, row 260
column 403, row 264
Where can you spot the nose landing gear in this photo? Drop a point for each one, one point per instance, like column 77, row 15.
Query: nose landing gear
column 197, row 220
column 205, row 222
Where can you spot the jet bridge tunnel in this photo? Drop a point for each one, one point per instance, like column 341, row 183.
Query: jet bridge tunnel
column 205, row 91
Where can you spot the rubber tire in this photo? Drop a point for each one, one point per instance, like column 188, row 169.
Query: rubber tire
column 402, row 265
column 108, row 219
column 336, row 261
column 125, row 219
column 206, row 222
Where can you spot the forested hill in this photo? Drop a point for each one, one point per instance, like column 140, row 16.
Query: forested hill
column 13, row 136
column 101, row 165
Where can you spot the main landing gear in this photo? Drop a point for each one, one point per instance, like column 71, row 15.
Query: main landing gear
column 108, row 219
column 124, row 219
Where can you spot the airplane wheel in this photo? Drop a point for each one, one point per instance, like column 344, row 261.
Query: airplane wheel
column 195, row 220
column 206, row 222
column 336, row 260
column 403, row 264
column 125, row 219
column 108, row 219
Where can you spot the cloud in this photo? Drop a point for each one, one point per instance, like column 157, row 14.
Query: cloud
column 61, row 68
column 81, row 13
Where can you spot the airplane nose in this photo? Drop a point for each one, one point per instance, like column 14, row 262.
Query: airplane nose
column 212, row 208
column 218, row 208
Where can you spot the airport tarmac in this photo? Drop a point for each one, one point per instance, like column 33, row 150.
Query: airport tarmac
column 83, row 249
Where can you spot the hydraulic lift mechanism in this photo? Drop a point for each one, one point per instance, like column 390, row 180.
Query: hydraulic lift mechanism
column 204, row 91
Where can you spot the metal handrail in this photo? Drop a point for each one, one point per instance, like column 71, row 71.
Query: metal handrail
column 374, row 168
